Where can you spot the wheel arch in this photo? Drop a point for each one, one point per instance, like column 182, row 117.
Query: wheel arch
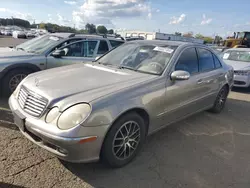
column 140, row 111
column 28, row 66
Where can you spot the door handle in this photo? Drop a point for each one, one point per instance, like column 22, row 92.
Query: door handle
column 209, row 81
column 200, row 81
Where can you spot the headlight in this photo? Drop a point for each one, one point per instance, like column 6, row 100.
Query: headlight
column 52, row 115
column 73, row 116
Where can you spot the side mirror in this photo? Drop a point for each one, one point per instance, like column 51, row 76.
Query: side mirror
column 180, row 75
column 98, row 57
column 58, row 53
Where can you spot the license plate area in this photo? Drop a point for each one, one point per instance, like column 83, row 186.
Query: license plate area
column 19, row 120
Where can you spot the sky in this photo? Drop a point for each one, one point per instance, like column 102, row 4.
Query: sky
column 208, row 17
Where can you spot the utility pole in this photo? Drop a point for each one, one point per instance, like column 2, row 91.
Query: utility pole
column 12, row 20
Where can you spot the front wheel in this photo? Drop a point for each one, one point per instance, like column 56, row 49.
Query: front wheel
column 12, row 79
column 220, row 101
column 124, row 140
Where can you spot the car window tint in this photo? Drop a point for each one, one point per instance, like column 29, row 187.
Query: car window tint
column 115, row 43
column 89, row 48
column 205, row 59
column 81, row 49
column 188, row 61
column 65, row 43
column 103, row 47
column 217, row 63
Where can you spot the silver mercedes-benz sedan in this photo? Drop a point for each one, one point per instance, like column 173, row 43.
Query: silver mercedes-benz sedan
column 239, row 59
column 105, row 109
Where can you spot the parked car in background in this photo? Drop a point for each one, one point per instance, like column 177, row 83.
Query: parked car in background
column 19, row 34
column 8, row 32
column 49, row 51
column 239, row 59
column 133, row 38
column 31, row 34
column 105, row 109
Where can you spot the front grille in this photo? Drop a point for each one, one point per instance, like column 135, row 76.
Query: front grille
column 31, row 102
column 239, row 82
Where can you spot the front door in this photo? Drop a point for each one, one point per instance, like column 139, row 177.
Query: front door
column 183, row 97
column 77, row 52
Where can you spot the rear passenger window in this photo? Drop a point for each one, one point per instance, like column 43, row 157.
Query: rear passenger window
column 115, row 43
column 103, row 47
column 205, row 59
column 188, row 61
column 217, row 63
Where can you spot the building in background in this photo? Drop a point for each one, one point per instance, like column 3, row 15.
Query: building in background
column 158, row 36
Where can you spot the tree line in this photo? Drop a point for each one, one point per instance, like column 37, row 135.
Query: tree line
column 89, row 28
column 14, row 21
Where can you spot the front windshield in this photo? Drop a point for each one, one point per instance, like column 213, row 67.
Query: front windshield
column 236, row 56
column 145, row 58
column 40, row 44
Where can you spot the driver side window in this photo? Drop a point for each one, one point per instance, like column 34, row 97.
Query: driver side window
column 188, row 61
column 80, row 49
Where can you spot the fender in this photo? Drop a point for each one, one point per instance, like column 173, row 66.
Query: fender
column 30, row 66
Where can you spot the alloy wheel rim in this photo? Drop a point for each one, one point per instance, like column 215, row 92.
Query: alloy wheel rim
column 126, row 140
column 15, row 80
column 221, row 99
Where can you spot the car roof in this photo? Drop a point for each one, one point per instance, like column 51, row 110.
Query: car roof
column 239, row 49
column 97, row 37
column 164, row 42
column 62, row 35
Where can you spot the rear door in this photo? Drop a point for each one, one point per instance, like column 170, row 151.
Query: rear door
column 77, row 52
column 211, row 75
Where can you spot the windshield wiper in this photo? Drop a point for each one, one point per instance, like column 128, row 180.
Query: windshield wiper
column 127, row 67
column 30, row 51
column 146, row 72
column 107, row 64
column 20, row 49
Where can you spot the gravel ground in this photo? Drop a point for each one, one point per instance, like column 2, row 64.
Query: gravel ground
column 203, row 151
column 10, row 41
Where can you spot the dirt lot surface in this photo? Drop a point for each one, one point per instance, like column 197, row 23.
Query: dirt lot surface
column 9, row 41
column 203, row 151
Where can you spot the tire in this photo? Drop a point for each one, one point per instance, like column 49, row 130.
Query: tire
column 220, row 100
column 121, row 155
column 10, row 76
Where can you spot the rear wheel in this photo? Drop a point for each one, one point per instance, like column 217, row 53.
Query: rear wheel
column 220, row 101
column 124, row 140
column 12, row 79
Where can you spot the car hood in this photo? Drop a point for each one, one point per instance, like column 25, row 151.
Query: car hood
column 238, row 65
column 88, row 80
column 13, row 53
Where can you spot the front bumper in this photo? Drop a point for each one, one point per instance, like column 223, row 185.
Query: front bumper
column 72, row 149
column 241, row 81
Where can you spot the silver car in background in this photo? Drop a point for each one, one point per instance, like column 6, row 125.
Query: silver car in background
column 239, row 59
column 105, row 109
column 49, row 51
